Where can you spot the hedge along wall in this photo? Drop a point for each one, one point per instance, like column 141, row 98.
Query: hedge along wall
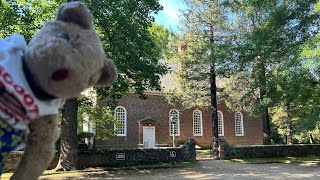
column 255, row 151
column 124, row 157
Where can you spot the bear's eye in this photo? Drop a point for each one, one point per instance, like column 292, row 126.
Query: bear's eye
column 63, row 35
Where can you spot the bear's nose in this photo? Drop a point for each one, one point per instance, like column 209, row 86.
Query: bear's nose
column 63, row 35
column 60, row 74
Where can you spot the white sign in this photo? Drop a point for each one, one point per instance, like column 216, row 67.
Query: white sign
column 173, row 154
column 120, row 156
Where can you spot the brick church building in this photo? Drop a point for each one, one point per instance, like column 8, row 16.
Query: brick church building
column 153, row 122
column 148, row 123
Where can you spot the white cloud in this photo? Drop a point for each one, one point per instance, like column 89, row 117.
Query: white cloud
column 169, row 17
column 171, row 10
column 171, row 13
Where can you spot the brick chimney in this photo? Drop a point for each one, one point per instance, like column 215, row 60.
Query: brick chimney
column 182, row 52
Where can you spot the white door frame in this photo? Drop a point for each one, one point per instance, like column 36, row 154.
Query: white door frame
column 153, row 136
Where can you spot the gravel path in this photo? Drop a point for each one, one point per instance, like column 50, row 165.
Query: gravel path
column 210, row 169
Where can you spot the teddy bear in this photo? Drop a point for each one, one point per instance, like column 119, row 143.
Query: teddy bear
column 62, row 59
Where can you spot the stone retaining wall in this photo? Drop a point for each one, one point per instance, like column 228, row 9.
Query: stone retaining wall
column 124, row 157
column 15, row 156
column 121, row 157
column 255, row 151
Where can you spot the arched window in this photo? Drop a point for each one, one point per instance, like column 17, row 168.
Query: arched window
column 239, row 124
column 197, row 123
column 120, row 117
column 174, row 122
column 220, row 124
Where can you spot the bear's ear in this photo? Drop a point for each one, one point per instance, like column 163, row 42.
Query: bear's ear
column 108, row 73
column 75, row 12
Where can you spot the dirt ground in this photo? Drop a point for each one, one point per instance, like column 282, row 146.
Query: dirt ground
column 204, row 169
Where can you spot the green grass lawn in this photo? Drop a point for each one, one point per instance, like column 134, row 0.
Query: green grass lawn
column 302, row 160
column 204, row 153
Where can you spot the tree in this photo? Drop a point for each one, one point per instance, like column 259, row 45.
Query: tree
column 202, row 34
column 311, row 50
column 92, row 115
column 69, row 143
column 275, row 31
column 123, row 29
column 293, row 89
column 162, row 38
column 24, row 17
column 311, row 60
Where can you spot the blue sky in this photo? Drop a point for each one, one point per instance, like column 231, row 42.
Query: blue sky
column 169, row 16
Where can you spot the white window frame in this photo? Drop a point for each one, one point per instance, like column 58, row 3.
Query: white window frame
column 177, row 124
column 240, row 124
column 124, row 119
column 200, row 118
column 220, row 123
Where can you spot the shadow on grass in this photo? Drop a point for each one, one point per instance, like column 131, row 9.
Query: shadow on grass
column 302, row 160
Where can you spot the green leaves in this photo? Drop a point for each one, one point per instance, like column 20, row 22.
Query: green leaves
column 97, row 116
column 24, row 17
column 203, row 30
column 124, row 29
column 162, row 38
column 270, row 49
column 311, row 55
column 122, row 25
column 266, row 55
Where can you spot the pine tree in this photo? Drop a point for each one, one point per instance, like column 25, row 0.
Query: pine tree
column 269, row 33
column 203, row 33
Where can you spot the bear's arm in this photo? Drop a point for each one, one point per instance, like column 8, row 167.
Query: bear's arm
column 39, row 149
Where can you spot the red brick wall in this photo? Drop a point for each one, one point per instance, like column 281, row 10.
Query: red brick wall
column 252, row 128
column 157, row 109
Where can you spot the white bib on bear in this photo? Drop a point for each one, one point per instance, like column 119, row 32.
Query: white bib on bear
column 18, row 104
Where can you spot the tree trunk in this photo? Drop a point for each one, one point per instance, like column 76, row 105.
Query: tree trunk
column 263, row 94
column 266, row 127
column 289, row 133
column 69, row 142
column 289, row 125
column 214, row 114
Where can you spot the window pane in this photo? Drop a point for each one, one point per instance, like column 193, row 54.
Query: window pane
column 120, row 118
column 174, row 122
column 197, row 124
column 239, row 123
column 220, row 124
